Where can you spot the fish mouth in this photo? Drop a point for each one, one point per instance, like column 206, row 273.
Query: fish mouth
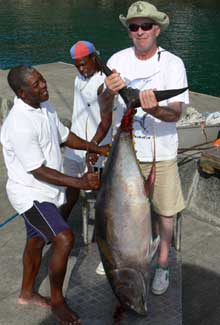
column 130, row 288
column 141, row 312
column 137, row 305
column 141, row 309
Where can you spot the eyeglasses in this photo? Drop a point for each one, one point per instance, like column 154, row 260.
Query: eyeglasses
column 144, row 27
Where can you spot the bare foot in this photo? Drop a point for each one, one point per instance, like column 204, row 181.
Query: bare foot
column 65, row 315
column 34, row 299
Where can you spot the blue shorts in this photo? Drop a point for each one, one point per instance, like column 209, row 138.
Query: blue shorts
column 44, row 220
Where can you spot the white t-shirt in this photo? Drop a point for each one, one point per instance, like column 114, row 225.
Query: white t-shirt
column 162, row 71
column 31, row 137
column 86, row 113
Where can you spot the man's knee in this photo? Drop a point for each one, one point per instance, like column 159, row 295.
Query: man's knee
column 65, row 238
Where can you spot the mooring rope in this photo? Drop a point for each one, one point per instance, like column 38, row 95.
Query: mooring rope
column 8, row 220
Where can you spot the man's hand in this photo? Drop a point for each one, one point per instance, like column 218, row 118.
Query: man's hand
column 104, row 150
column 114, row 82
column 148, row 101
column 91, row 159
column 90, row 181
column 150, row 105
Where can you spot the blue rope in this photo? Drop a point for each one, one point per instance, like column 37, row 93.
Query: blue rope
column 8, row 220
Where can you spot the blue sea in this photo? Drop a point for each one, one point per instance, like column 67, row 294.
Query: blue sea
column 36, row 32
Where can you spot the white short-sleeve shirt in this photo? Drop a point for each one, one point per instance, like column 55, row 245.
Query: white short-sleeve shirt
column 162, row 71
column 31, row 137
column 86, row 113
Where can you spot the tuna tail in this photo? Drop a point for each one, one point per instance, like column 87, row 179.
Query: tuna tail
column 166, row 94
column 131, row 96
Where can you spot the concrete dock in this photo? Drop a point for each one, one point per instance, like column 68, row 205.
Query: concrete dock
column 194, row 295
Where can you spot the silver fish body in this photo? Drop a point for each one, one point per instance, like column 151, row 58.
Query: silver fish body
column 123, row 226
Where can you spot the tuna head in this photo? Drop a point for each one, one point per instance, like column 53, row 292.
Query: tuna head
column 131, row 289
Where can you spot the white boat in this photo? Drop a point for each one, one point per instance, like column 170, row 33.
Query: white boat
column 197, row 133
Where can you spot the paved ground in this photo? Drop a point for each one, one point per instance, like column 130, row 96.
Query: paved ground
column 200, row 273
column 200, row 281
column 92, row 296
column 200, row 238
column 200, row 245
column 86, row 292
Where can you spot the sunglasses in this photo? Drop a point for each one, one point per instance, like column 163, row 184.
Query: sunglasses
column 144, row 27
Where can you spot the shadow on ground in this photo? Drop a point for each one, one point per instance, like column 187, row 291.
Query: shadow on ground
column 201, row 296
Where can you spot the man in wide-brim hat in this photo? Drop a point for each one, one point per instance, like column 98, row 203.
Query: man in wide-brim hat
column 145, row 9
column 147, row 66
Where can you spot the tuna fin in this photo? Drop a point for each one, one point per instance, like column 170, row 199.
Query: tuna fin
column 153, row 248
column 149, row 183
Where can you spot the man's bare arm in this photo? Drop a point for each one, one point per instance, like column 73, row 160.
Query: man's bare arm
column 52, row 176
column 75, row 142
column 169, row 113
column 103, row 127
column 150, row 105
column 106, row 100
column 113, row 84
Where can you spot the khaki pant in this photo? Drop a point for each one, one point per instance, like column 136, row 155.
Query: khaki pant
column 167, row 199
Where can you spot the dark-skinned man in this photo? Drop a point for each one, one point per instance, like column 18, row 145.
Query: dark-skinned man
column 86, row 116
column 31, row 137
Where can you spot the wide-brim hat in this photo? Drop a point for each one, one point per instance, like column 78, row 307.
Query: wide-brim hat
column 145, row 10
column 81, row 49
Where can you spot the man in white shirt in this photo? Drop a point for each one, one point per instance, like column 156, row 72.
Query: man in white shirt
column 147, row 66
column 31, row 137
column 86, row 115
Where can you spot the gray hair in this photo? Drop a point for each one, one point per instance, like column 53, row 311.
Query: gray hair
column 17, row 77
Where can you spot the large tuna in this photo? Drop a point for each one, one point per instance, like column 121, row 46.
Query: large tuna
column 123, row 224
column 123, row 218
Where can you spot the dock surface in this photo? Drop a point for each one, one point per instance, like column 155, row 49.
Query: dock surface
column 196, row 270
